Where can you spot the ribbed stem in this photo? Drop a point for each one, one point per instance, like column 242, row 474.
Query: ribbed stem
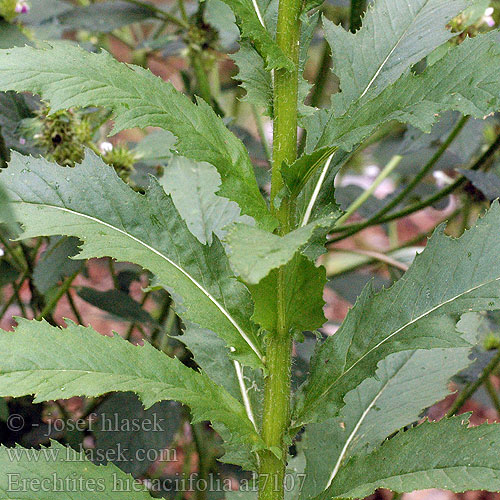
column 276, row 414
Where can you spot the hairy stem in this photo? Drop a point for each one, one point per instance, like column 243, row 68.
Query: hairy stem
column 276, row 415
column 286, row 95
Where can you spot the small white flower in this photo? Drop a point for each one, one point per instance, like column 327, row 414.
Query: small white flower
column 442, row 180
column 488, row 17
column 22, row 7
column 2, row 253
column 106, row 147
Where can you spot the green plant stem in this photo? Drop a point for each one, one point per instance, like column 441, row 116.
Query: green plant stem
column 182, row 10
column 285, row 97
column 16, row 261
column 15, row 294
column 75, row 310
column 386, row 171
column 276, row 413
column 51, row 305
column 112, row 272
column 357, row 9
column 381, row 257
column 201, row 76
column 275, row 416
column 474, row 386
column 350, row 229
column 492, row 392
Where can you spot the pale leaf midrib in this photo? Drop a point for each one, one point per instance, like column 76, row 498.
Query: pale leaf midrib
column 425, row 471
column 225, row 313
column 406, row 325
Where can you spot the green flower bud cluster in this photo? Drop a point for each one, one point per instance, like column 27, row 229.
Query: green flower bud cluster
column 63, row 135
column 8, row 9
column 122, row 160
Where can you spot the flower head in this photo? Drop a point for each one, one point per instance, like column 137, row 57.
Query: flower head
column 488, row 17
column 22, row 7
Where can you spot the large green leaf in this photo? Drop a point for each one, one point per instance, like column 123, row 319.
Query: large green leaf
column 90, row 202
column 450, row 276
column 54, row 363
column 68, row 76
column 61, row 473
column 451, row 83
column 405, row 383
column 6, row 213
column 417, row 459
column 389, row 42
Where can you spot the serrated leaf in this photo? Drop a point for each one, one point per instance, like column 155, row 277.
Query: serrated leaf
column 61, row 473
column 117, row 222
column 252, row 27
column 55, row 363
column 317, row 197
column 416, row 460
column 6, row 213
column 389, row 42
column 192, row 186
column 405, row 383
column 303, row 288
column 411, row 314
column 255, row 253
column 254, row 77
column 451, row 83
column 68, row 76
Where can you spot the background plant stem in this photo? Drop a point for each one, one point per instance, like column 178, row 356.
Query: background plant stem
column 472, row 388
column 483, row 160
